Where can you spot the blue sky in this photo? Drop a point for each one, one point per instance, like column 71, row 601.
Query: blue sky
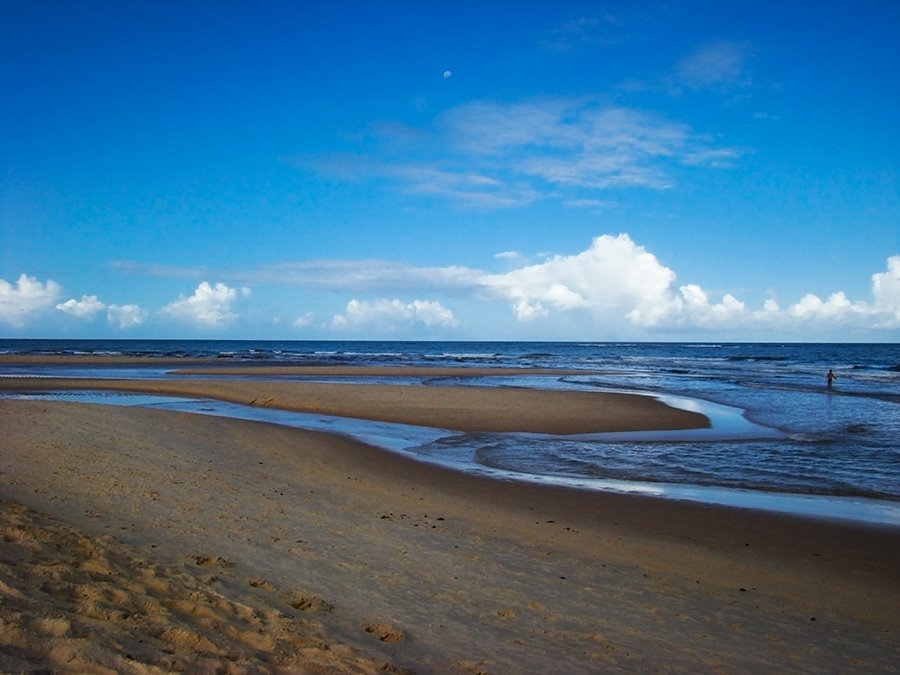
column 518, row 171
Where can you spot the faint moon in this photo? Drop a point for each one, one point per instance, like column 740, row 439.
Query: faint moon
column 448, row 74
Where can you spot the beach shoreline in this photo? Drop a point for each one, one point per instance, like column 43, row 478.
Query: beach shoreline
column 400, row 564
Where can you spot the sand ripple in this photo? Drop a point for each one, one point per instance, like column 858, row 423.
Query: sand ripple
column 76, row 603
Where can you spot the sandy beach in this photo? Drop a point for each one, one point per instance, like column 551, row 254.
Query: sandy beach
column 139, row 540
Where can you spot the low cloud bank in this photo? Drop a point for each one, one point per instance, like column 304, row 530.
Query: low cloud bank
column 616, row 278
column 614, row 282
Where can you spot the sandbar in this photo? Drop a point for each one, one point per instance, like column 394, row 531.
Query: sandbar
column 462, row 408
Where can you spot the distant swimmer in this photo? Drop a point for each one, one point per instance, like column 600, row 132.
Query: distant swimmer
column 830, row 378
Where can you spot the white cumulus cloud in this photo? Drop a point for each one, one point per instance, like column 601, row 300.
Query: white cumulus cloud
column 121, row 316
column 693, row 307
column 125, row 316
column 86, row 308
column 615, row 279
column 886, row 287
column 384, row 314
column 19, row 302
column 614, row 275
column 209, row 306
column 614, row 286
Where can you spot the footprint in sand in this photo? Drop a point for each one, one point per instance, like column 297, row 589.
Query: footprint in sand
column 386, row 632
column 311, row 603
column 204, row 560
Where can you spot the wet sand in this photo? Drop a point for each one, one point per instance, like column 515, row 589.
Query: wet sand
column 150, row 541
column 457, row 408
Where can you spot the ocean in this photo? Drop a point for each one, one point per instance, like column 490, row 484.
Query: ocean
column 781, row 439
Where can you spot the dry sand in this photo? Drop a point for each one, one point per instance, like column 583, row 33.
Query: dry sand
column 137, row 541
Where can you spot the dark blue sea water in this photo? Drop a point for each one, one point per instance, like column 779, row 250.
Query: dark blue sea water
column 780, row 437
